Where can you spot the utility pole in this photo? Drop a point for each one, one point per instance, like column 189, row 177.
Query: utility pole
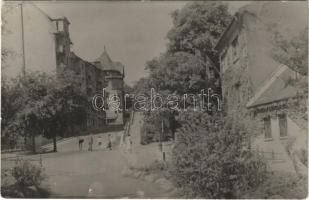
column 160, row 138
column 22, row 39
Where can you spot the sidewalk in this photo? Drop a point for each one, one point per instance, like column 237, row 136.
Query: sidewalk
column 140, row 155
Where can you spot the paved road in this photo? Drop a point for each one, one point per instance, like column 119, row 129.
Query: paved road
column 93, row 174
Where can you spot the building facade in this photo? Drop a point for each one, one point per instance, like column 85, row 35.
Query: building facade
column 114, row 90
column 254, row 85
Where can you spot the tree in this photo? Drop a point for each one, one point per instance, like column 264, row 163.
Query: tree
column 61, row 108
column 211, row 158
column 196, row 29
column 31, row 90
column 48, row 106
column 197, row 26
column 183, row 68
column 292, row 52
column 152, row 128
column 11, row 104
column 178, row 72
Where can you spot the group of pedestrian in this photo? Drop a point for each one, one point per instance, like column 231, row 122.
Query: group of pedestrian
column 92, row 141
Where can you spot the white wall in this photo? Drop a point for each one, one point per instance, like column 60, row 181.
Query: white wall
column 38, row 36
column 278, row 145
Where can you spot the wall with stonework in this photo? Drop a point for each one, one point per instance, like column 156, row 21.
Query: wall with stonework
column 245, row 66
column 236, row 84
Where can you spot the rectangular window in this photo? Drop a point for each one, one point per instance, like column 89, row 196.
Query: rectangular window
column 60, row 26
column 267, row 128
column 283, row 125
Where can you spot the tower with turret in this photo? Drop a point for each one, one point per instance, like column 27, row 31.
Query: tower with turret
column 114, row 75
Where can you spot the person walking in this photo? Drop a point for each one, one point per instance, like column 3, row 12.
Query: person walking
column 80, row 142
column 109, row 144
column 90, row 142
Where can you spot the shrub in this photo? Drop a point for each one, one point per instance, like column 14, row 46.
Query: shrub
column 210, row 158
column 280, row 185
column 152, row 126
column 27, row 174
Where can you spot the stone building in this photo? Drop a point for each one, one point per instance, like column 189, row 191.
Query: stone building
column 114, row 72
column 254, row 84
column 91, row 81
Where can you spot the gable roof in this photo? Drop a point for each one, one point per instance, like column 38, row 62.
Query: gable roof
column 276, row 88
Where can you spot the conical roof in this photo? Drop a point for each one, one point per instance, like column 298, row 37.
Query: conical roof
column 105, row 60
column 105, row 63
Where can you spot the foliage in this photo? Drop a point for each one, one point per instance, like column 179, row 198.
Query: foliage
column 152, row 127
column 27, row 174
column 211, row 158
column 294, row 52
column 183, row 67
column 41, row 104
column 178, row 72
column 24, row 181
column 279, row 185
column 11, row 104
column 196, row 29
column 197, row 26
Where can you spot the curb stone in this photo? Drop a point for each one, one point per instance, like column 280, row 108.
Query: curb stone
column 163, row 183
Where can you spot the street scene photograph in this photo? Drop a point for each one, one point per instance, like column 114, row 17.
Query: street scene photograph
column 154, row 99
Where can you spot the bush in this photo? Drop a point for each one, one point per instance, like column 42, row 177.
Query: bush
column 280, row 185
column 24, row 181
column 210, row 158
column 27, row 174
column 152, row 126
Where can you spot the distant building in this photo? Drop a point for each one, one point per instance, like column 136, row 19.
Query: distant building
column 47, row 48
column 115, row 86
column 254, row 85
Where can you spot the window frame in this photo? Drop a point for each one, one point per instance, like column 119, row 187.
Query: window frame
column 267, row 128
column 282, row 118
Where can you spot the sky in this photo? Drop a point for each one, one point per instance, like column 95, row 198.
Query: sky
column 133, row 32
